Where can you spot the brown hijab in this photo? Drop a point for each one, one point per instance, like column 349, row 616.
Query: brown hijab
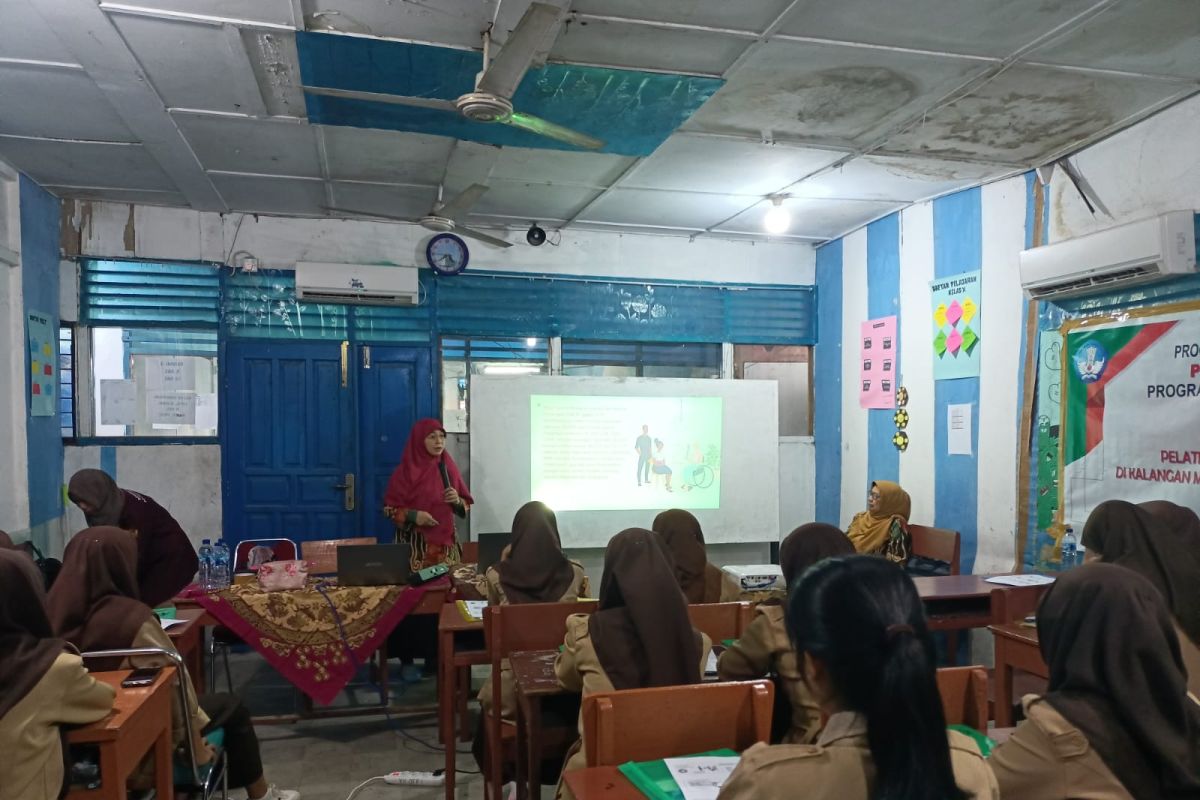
column 6, row 542
column 536, row 570
column 1160, row 541
column 1117, row 675
column 27, row 643
column 96, row 488
column 683, row 538
column 94, row 604
column 641, row 630
column 869, row 530
column 809, row 544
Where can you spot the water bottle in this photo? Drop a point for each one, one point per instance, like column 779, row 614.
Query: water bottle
column 205, row 555
column 220, row 567
column 1069, row 548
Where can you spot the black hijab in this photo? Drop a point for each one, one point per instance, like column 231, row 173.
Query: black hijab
column 684, row 539
column 97, row 488
column 536, row 570
column 27, row 643
column 1116, row 674
column 94, row 603
column 810, row 544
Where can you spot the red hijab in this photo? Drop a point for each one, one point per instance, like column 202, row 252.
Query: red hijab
column 417, row 483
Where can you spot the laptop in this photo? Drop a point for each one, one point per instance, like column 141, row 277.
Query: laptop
column 373, row 564
column 491, row 545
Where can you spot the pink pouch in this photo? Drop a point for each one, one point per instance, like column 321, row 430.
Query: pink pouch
column 277, row 576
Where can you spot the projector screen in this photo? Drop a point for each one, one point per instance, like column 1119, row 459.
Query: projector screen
column 610, row 453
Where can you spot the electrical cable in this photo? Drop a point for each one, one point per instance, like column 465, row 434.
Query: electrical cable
column 354, row 792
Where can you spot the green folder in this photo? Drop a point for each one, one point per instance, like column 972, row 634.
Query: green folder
column 653, row 779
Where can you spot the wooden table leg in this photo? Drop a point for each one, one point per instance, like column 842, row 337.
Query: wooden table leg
column 461, row 697
column 164, row 778
column 446, row 692
column 534, row 725
column 1004, row 684
column 522, row 747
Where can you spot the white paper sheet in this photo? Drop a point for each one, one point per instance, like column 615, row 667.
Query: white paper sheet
column 171, row 408
column 1022, row 580
column 710, row 668
column 118, row 402
column 701, row 778
column 170, row 373
column 170, row 623
column 958, row 429
column 475, row 608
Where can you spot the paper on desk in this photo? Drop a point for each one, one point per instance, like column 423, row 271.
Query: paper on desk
column 1021, row 580
column 475, row 608
column 710, row 668
column 170, row 623
column 701, row 778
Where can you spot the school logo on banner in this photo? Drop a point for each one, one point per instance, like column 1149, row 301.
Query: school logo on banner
column 1090, row 361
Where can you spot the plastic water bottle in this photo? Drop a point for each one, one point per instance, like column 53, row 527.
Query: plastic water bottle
column 1070, row 547
column 220, row 567
column 205, row 555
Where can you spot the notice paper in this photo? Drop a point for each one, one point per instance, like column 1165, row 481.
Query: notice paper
column 171, row 408
column 118, row 403
column 170, row 373
column 958, row 429
column 702, row 777
column 1021, row 580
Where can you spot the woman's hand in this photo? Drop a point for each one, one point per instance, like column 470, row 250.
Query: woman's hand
column 389, row 512
column 451, row 496
column 205, row 752
column 425, row 519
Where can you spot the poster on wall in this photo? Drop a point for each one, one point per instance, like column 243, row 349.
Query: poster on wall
column 43, row 365
column 1130, row 410
column 879, row 363
column 956, row 325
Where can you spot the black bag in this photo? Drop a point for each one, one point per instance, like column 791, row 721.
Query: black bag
column 924, row 567
column 49, row 567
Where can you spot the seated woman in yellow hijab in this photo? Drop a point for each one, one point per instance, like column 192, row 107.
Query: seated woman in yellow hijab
column 883, row 528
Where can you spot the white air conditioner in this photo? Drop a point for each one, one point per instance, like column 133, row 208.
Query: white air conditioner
column 356, row 284
column 1139, row 252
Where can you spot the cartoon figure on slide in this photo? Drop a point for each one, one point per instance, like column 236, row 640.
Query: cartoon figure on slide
column 643, row 447
column 658, row 463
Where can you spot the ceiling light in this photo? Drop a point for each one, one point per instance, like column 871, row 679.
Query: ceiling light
column 777, row 218
column 531, row 342
column 511, row 369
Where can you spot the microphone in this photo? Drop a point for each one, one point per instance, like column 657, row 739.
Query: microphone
column 445, row 473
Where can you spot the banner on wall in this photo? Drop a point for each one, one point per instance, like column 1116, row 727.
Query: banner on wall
column 956, row 325
column 879, row 363
column 1130, row 411
column 43, row 369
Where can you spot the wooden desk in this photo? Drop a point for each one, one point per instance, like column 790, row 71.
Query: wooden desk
column 1016, row 648
column 603, row 783
column 188, row 638
column 533, row 673
column 139, row 722
column 460, row 646
column 956, row 602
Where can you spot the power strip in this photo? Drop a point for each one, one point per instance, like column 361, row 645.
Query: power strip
column 416, row 778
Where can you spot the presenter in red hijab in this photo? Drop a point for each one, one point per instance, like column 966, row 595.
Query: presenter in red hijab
column 425, row 494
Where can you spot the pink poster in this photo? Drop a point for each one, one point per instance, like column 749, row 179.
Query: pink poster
column 879, row 363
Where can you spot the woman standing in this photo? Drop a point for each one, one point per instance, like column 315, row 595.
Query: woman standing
column 882, row 530
column 425, row 494
column 166, row 560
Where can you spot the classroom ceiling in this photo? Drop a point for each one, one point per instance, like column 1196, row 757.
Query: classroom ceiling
column 852, row 108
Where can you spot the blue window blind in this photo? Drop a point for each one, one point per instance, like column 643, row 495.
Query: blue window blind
column 473, row 349
column 148, row 293
column 160, row 342
column 641, row 354
column 66, row 381
column 393, row 323
column 263, row 305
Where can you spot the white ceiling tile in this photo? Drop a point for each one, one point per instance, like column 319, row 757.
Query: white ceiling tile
column 897, row 179
column 452, row 22
column 664, row 209
column 278, row 12
column 121, row 166
column 709, row 164
column 388, row 156
column 814, row 218
column 530, row 201
column 559, row 166
column 276, row 66
column 271, row 195
column 753, row 15
column 61, row 104
column 24, row 34
column 828, row 93
column 398, row 201
column 640, row 47
column 243, row 145
column 139, row 196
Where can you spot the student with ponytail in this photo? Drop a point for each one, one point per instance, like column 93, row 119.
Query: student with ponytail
column 868, row 658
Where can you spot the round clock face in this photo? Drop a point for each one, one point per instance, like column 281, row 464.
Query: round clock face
column 447, row 254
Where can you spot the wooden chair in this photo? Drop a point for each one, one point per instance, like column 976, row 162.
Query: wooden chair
column 937, row 543
column 284, row 549
column 470, row 552
column 721, row 621
column 321, row 554
column 508, row 629
column 648, row 724
column 1014, row 603
column 964, row 692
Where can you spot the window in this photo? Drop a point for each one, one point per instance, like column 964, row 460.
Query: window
column 463, row 357
column 791, row 367
column 641, row 359
column 154, row 382
column 66, row 381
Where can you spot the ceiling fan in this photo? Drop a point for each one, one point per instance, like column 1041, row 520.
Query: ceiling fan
column 443, row 217
column 495, row 84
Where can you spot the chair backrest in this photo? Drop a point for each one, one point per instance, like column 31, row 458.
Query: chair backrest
column 721, row 621
column 284, row 549
column 936, row 543
column 1015, row 602
column 964, row 692
column 470, row 552
column 663, row 722
column 321, row 554
column 528, row 626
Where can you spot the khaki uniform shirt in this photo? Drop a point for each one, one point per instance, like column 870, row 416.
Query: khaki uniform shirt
column 1048, row 758
column 838, row 767
column 579, row 669
column 494, row 593
column 151, row 634
column 31, row 759
column 764, row 649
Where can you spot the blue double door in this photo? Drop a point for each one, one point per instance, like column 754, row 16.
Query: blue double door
column 310, row 434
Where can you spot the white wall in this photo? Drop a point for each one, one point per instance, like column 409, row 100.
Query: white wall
column 14, row 465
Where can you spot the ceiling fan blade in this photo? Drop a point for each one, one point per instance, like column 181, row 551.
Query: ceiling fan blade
column 380, row 97
column 542, row 127
column 463, row 201
column 357, row 212
column 503, row 75
column 481, row 236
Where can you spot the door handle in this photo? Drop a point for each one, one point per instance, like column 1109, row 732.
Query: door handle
column 348, row 488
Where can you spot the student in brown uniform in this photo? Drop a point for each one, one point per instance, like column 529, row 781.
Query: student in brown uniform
column 764, row 647
column 533, row 570
column 1117, row 721
column 882, row 530
column 43, row 686
column 684, row 540
column 166, row 560
column 95, row 606
column 639, row 637
column 869, row 660
column 1160, row 541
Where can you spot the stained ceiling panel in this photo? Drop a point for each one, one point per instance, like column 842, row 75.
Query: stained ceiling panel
column 682, row 210
column 528, row 201
column 139, row 196
column 272, row 195
column 814, row 218
column 278, row 12
column 388, row 156
column 452, row 22
column 753, row 15
column 706, row 164
column 398, row 201
column 555, row 166
column 889, row 178
column 59, row 164
column 24, row 34
column 79, row 110
column 631, row 46
column 243, row 145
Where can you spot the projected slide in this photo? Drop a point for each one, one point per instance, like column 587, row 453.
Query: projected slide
column 597, row 453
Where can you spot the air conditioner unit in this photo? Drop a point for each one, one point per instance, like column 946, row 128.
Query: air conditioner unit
column 356, row 284
column 1139, row 252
